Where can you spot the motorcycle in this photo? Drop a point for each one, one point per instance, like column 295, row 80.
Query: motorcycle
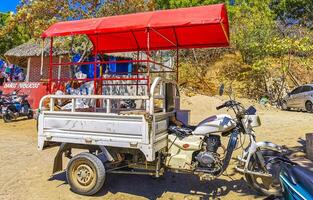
column 208, row 162
column 295, row 180
column 5, row 99
column 195, row 150
column 17, row 106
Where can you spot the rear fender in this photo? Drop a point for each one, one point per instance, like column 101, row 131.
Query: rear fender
column 58, row 159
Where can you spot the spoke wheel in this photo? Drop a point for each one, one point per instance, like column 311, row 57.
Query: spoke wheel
column 7, row 118
column 262, row 184
column 85, row 174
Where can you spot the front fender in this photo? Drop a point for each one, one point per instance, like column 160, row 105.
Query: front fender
column 268, row 145
column 258, row 146
column 261, row 145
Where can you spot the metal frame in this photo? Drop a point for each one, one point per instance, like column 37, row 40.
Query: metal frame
column 96, row 62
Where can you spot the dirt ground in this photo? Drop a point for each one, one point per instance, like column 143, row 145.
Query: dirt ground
column 25, row 172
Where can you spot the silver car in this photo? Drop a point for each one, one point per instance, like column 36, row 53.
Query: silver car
column 300, row 98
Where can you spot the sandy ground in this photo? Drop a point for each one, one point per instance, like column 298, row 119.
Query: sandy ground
column 25, row 172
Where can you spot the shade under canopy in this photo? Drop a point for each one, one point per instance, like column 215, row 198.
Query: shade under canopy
column 196, row 27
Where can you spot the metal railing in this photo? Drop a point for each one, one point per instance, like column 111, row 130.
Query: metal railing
column 108, row 98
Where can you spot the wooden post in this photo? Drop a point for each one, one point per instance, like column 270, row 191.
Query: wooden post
column 41, row 60
column 309, row 146
column 28, row 69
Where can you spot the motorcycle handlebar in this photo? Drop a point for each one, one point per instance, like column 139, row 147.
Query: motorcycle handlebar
column 220, row 107
column 226, row 104
column 230, row 103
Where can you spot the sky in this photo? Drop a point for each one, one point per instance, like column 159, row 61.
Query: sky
column 8, row 5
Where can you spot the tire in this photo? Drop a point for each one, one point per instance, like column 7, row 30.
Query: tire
column 30, row 115
column 274, row 181
column 7, row 118
column 85, row 174
column 284, row 106
column 309, row 106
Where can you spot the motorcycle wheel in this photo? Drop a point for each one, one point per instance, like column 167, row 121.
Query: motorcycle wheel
column 265, row 185
column 7, row 118
column 30, row 115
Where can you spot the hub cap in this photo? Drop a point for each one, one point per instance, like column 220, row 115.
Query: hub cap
column 84, row 174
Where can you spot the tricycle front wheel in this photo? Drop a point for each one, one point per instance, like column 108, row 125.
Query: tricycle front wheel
column 85, row 174
column 262, row 184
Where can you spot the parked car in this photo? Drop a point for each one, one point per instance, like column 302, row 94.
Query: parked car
column 300, row 98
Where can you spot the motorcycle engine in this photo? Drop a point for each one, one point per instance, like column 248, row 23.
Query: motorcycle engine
column 209, row 158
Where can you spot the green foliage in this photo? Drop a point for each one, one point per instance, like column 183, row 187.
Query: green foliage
column 33, row 17
column 290, row 12
column 190, row 3
column 14, row 37
column 253, row 29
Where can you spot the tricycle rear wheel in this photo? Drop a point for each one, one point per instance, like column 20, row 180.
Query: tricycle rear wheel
column 85, row 174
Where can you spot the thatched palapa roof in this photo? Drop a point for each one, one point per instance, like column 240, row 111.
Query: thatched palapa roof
column 33, row 48
column 18, row 55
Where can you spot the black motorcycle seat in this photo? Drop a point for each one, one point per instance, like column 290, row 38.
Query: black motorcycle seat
column 303, row 177
column 181, row 131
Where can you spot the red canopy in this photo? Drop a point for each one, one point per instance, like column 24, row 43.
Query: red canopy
column 196, row 27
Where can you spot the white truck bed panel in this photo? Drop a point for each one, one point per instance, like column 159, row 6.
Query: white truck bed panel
column 125, row 131
column 106, row 125
column 93, row 127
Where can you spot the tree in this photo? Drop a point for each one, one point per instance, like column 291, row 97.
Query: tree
column 166, row 4
column 294, row 12
column 253, row 29
column 33, row 17
column 15, row 37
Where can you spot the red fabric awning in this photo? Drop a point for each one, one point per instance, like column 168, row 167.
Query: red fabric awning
column 196, row 27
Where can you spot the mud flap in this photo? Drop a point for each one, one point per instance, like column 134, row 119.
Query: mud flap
column 58, row 159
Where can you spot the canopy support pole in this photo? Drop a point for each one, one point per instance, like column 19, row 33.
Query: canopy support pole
column 148, row 61
column 59, row 68
column 95, row 66
column 50, row 65
column 224, row 30
column 177, row 54
column 164, row 37
column 137, row 74
column 177, row 64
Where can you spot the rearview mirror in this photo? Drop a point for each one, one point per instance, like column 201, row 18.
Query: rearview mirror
column 221, row 89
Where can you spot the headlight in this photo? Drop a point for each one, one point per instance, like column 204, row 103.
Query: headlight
column 254, row 120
